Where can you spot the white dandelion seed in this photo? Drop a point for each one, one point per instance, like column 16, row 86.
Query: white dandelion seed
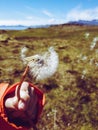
column 84, row 58
column 96, row 63
column 91, row 61
column 86, row 35
column 83, row 74
column 23, row 51
column 93, row 44
column 95, row 39
column 42, row 66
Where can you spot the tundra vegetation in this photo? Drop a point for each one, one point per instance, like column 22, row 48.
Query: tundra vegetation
column 72, row 92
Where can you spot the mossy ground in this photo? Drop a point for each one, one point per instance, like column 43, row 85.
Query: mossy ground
column 72, row 93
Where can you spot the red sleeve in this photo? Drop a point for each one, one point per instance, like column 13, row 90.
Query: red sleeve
column 4, row 123
column 4, row 90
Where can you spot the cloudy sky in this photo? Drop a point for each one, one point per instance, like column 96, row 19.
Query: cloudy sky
column 41, row 12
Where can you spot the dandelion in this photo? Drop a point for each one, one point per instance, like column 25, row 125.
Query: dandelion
column 42, row 66
column 95, row 39
column 87, row 35
column 96, row 63
column 83, row 74
column 84, row 58
column 91, row 61
column 39, row 66
column 93, row 44
column 23, row 51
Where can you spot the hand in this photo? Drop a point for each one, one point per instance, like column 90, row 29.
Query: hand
column 26, row 104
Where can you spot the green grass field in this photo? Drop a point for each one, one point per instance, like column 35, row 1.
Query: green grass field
column 72, row 93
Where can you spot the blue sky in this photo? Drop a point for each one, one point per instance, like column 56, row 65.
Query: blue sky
column 41, row 12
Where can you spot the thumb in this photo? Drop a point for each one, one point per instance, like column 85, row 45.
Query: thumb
column 11, row 102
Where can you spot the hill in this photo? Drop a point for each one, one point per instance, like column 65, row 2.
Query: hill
column 21, row 27
column 72, row 93
column 84, row 22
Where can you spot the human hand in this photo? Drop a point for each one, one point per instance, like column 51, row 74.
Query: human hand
column 27, row 103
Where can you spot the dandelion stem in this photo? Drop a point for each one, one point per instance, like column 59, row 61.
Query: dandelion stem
column 21, row 81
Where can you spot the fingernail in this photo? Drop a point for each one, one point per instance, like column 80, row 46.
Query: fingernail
column 21, row 106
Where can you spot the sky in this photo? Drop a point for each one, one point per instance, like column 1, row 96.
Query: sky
column 44, row 12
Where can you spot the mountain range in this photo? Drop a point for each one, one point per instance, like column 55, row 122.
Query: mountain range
column 21, row 27
column 84, row 22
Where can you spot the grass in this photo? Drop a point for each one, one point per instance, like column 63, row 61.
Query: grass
column 72, row 93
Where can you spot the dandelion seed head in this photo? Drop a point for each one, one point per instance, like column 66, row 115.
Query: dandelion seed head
column 95, row 39
column 83, row 74
column 93, row 44
column 87, row 35
column 43, row 66
column 96, row 64
column 91, row 61
column 84, row 58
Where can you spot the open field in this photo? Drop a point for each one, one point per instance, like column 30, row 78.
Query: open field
column 72, row 93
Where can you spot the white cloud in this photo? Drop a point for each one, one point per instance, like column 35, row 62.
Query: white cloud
column 28, row 22
column 31, row 20
column 31, row 9
column 82, row 14
column 29, row 17
column 14, row 22
column 47, row 13
column 52, row 20
column 19, row 22
column 75, row 14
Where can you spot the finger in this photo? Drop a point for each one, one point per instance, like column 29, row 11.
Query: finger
column 23, row 88
column 22, row 105
column 24, row 96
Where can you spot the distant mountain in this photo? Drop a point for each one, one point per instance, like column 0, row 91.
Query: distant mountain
column 13, row 27
column 84, row 22
column 21, row 27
